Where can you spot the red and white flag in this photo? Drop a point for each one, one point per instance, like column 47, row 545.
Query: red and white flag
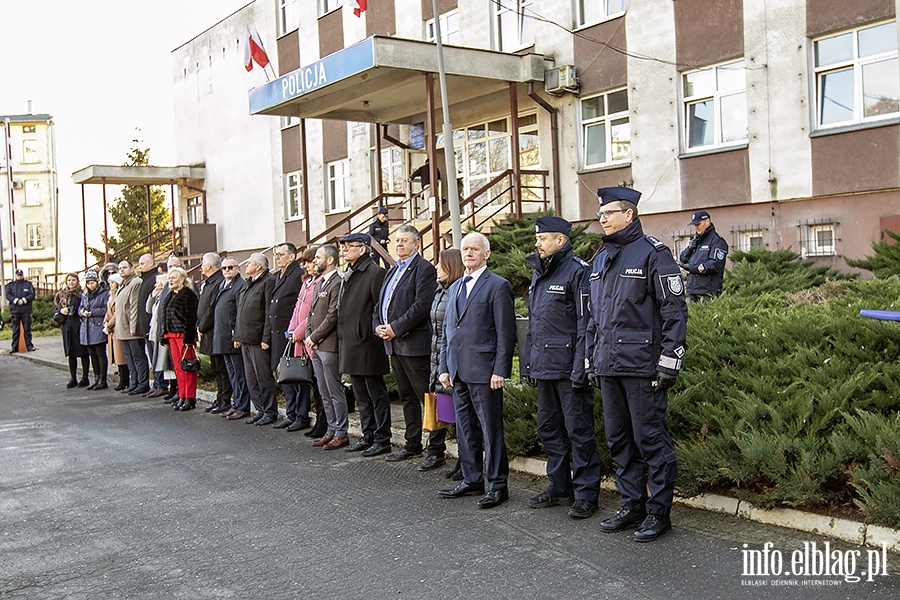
column 254, row 51
column 359, row 7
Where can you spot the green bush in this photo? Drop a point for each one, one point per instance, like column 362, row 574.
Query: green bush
column 42, row 310
column 886, row 258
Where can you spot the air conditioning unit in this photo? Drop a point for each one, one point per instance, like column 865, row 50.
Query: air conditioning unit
column 17, row 185
column 560, row 80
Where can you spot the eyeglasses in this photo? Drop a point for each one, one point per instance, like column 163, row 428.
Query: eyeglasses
column 604, row 214
column 354, row 246
column 229, row 268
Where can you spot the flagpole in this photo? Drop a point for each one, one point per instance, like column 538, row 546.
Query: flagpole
column 449, row 154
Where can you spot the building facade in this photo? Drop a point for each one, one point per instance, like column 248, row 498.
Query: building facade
column 34, row 193
column 780, row 117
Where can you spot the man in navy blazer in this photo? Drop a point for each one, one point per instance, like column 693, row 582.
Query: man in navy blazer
column 402, row 320
column 476, row 358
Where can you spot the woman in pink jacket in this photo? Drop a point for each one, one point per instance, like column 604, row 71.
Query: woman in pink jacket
column 299, row 415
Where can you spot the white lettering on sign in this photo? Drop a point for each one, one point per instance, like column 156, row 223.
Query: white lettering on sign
column 303, row 80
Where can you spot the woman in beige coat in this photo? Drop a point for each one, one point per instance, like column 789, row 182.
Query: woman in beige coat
column 116, row 356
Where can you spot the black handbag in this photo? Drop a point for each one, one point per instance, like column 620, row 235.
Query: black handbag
column 293, row 369
column 59, row 318
column 189, row 364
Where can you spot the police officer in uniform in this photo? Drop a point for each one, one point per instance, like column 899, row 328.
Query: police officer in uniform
column 704, row 259
column 553, row 361
column 635, row 343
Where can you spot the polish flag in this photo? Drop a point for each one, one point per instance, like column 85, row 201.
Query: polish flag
column 254, row 51
column 359, row 7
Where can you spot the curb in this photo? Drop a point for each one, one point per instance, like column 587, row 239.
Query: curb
column 854, row 532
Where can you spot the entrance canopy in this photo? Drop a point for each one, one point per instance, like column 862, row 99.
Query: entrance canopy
column 380, row 80
column 120, row 175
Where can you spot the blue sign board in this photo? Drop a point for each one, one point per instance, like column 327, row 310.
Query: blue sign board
column 334, row 67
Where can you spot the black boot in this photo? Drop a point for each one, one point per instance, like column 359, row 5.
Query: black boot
column 85, row 382
column 101, row 384
column 94, row 385
column 177, row 404
column 72, row 383
column 189, row 404
column 123, row 378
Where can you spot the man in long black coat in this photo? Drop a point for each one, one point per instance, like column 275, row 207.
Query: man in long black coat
column 211, row 267
column 361, row 353
column 223, row 338
column 253, row 336
column 281, row 308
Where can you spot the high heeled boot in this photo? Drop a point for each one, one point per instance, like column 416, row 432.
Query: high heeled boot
column 177, row 404
column 123, row 378
column 189, row 404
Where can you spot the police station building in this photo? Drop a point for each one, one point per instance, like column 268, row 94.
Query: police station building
column 778, row 117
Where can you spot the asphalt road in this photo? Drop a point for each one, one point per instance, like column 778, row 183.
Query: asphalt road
column 105, row 496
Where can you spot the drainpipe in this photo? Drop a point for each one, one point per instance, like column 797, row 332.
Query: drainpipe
column 554, row 137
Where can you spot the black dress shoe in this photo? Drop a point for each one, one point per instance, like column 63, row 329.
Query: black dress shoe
column 139, row 391
column 402, row 454
column 431, row 462
column 283, row 424
column 582, row 509
column 85, row 382
column 297, row 426
column 72, row 383
column 376, row 449
column 254, row 418
column 546, row 499
column 652, row 528
column 94, row 385
column 623, row 519
column 358, row 446
column 463, row 489
column 211, row 407
column 265, row 421
column 494, row 498
column 220, row 409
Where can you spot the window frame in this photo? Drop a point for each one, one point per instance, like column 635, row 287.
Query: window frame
column 31, row 198
column 296, row 189
column 34, row 236
column 606, row 119
column 581, row 20
column 525, row 35
column 193, row 208
column 809, row 243
column 856, row 65
column 329, row 6
column 331, row 186
column 449, row 35
column 716, row 97
column 285, row 6
column 31, row 153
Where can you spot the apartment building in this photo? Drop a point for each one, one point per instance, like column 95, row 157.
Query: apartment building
column 34, row 198
column 780, row 117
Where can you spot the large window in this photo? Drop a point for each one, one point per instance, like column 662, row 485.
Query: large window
column 449, row 28
column 594, row 11
column 715, row 106
column 326, row 6
column 857, row 76
column 288, row 16
column 605, row 129
column 337, row 190
column 292, row 194
column 514, row 22
column 392, row 170
column 35, row 237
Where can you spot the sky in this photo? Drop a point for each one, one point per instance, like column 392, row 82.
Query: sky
column 103, row 70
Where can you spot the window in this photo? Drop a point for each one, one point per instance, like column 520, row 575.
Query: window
column 288, row 16
column 449, row 28
column 391, row 171
column 337, row 192
column 30, row 152
column 857, row 76
column 818, row 239
column 35, row 237
column 289, row 122
column 36, row 274
column 606, row 131
column 680, row 241
column 326, row 6
column 514, row 22
column 292, row 194
column 195, row 210
column 750, row 239
column 593, row 11
column 29, row 129
column 715, row 106
column 32, row 192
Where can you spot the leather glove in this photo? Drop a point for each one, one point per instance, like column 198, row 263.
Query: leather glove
column 692, row 244
column 579, row 386
column 663, row 381
column 531, row 381
column 594, row 380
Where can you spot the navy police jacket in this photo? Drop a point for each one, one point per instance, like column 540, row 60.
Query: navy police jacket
column 557, row 307
column 638, row 321
column 706, row 264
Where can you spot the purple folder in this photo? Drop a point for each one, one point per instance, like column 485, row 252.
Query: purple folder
column 445, row 410
column 881, row 315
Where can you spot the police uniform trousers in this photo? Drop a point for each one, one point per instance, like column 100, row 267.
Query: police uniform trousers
column 260, row 382
column 637, row 431
column 20, row 321
column 412, row 374
column 479, row 407
column 374, row 408
column 565, row 423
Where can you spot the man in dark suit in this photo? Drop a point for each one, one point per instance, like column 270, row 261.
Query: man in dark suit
column 253, row 336
column 281, row 307
column 211, row 267
column 402, row 321
column 476, row 358
column 362, row 354
column 147, row 272
column 223, row 339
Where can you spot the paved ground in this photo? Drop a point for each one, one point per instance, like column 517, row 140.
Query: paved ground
column 105, row 496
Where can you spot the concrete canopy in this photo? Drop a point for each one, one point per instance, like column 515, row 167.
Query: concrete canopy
column 381, row 80
column 122, row 175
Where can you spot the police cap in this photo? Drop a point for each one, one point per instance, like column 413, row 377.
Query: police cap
column 552, row 225
column 698, row 216
column 614, row 194
column 355, row 238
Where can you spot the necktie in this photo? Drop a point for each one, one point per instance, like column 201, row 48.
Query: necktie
column 463, row 293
